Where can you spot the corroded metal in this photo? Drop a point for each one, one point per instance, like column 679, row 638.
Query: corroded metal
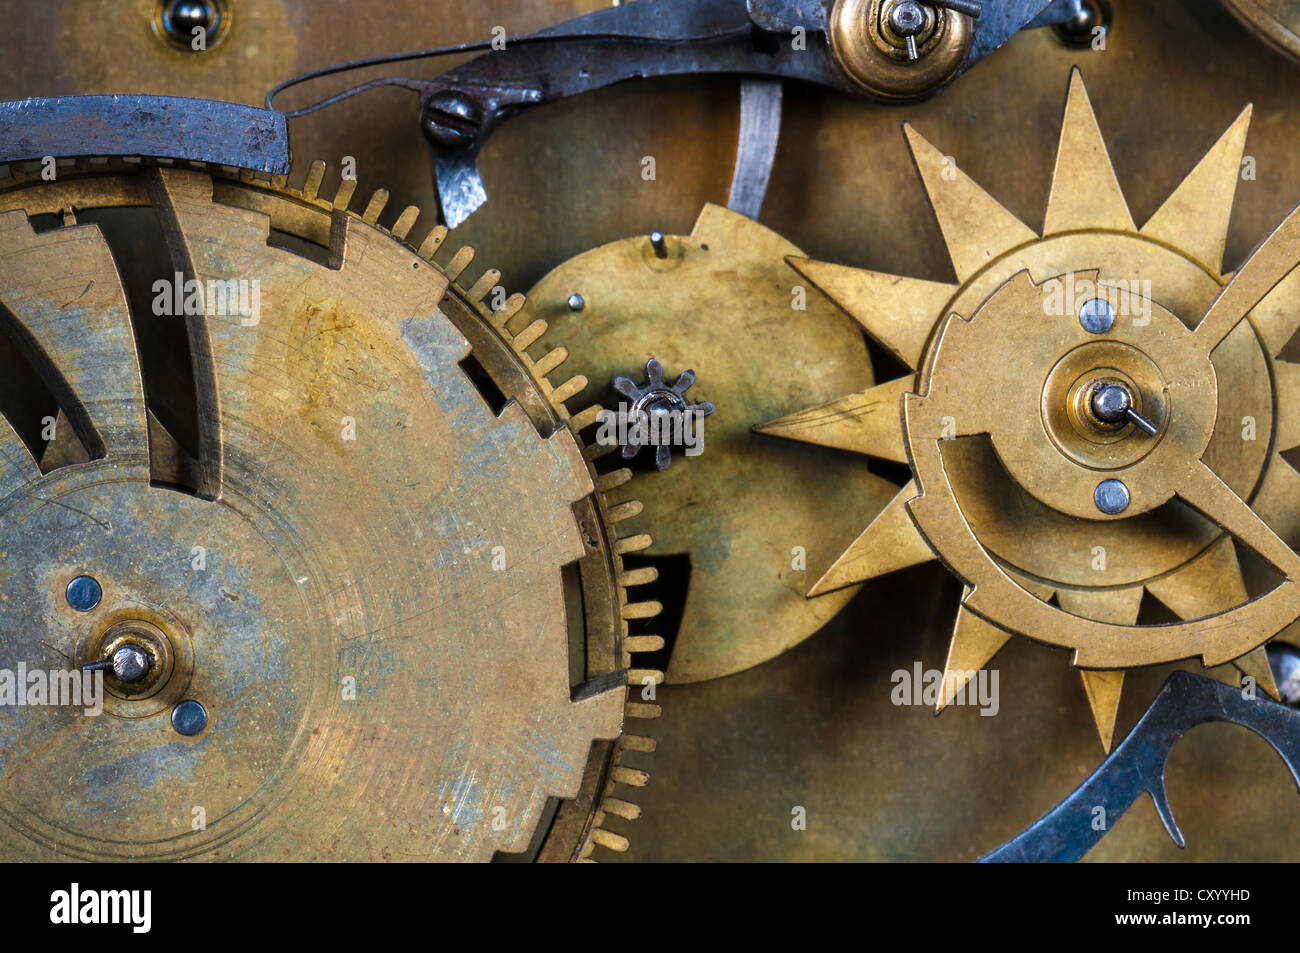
column 1137, row 766
column 1007, row 466
column 363, row 583
column 197, row 129
column 724, row 302
column 568, row 180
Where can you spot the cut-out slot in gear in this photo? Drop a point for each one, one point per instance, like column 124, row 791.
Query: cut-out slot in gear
column 336, row 575
column 1049, row 560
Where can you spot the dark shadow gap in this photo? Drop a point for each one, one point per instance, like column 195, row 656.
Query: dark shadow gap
column 575, row 615
column 284, row 241
column 484, row 384
column 39, row 404
column 149, row 279
column 539, row 837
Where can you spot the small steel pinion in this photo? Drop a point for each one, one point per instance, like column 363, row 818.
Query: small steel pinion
column 661, row 416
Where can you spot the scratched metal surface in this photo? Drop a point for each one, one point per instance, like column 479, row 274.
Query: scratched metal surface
column 327, row 554
column 815, row 727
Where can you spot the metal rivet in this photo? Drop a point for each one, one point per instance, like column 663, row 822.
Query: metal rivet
column 84, row 593
column 182, row 17
column 131, row 663
column 1111, row 402
column 1097, row 315
column 1111, row 497
column 576, row 302
column 659, row 245
column 189, row 717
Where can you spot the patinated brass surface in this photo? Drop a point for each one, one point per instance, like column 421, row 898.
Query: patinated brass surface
column 815, row 726
column 364, row 584
column 1277, row 22
column 792, row 732
column 1002, row 358
column 724, row 303
column 875, row 57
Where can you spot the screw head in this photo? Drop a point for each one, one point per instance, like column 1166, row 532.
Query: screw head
column 451, row 119
column 1097, row 315
column 906, row 18
column 576, row 302
column 1111, row 497
column 189, row 717
column 84, row 593
column 131, row 663
column 1110, row 402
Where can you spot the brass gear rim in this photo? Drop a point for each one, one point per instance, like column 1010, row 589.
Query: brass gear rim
column 580, row 825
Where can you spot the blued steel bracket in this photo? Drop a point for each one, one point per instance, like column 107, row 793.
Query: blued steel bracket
column 1137, row 765
column 175, row 127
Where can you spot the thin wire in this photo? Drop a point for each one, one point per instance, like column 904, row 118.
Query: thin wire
column 436, row 51
column 412, row 84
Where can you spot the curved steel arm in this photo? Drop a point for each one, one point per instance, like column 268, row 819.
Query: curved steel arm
column 176, row 127
column 1068, row 831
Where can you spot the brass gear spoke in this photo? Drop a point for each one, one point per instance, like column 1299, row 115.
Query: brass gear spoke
column 1206, row 491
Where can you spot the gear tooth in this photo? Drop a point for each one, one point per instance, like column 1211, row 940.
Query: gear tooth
column 402, row 227
column 645, row 676
column 479, row 290
column 624, row 511
column 642, row 610
column 642, row 711
column 514, row 304
column 644, row 643
column 620, row 808
column 550, row 361
column 315, row 176
column 595, row 451
column 432, row 242
column 375, row 206
column 629, row 776
column 585, row 418
column 459, row 262
column 638, row 743
column 554, row 357
column 614, row 479
column 571, row 388
column 638, row 577
column 343, row 196
column 609, row 840
column 530, row 334
column 633, row 544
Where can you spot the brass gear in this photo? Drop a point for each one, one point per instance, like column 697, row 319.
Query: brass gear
column 1024, row 498
column 752, row 519
column 372, row 546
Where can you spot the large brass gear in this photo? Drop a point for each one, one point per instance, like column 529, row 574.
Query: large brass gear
column 367, row 541
column 722, row 301
column 1058, row 570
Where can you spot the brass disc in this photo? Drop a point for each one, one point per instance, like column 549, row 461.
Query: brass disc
column 377, row 558
column 756, row 518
